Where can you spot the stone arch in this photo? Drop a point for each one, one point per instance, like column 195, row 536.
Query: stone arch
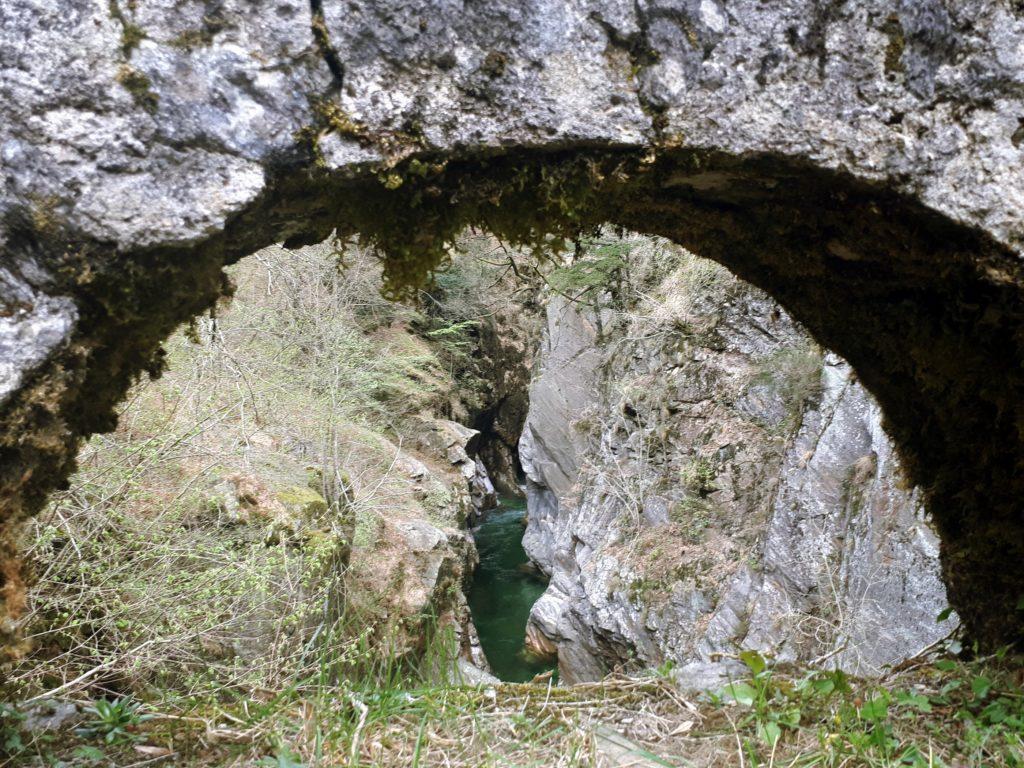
column 861, row 166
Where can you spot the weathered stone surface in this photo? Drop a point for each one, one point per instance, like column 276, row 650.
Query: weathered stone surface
column 502, row 363
column 848, row 544
column 703, row 676
column 145, row 144
column 34, row 325
column 548, row 448
column 729, row 490
column 468, row 673
column 866, row 89
column 456, row 442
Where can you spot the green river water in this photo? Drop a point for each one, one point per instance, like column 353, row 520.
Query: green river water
column 503, row 591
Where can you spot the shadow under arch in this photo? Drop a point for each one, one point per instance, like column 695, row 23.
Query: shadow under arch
column 928, row 312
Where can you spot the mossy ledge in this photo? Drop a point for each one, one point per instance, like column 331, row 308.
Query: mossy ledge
column 928, row 312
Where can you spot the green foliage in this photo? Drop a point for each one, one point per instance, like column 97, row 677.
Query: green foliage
column 456, row 343
column 323, row 334
column 694, row 514
column 454, row 334
column 776, row 708
column 584, row 281
column 89, row 754
column 542, row 207
column 698, row 475
column 958, row 715
column 114, row 721
column 794, row 372
column 11, row 743
column 283, row 758
column 462, row 307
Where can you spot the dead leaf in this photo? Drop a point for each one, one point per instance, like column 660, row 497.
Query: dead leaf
column 150, row 751
column 684, row 727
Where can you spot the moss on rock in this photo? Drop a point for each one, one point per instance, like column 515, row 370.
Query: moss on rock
column 305, row 503
column 139, row 86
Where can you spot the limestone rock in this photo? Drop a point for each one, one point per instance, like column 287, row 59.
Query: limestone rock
column 566, row 385
column 469, row 674
column 215, row 99
column 708, row 676
column 717, row 486
column 457, row 443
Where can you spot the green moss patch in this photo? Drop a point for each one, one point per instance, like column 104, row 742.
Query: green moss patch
column 304, row 501
column 140, row 87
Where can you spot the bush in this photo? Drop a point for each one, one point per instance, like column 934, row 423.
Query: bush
column 794, row 373
column 189, row 553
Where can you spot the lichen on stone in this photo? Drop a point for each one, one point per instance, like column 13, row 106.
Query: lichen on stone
column 139, row 86
column 893, row 30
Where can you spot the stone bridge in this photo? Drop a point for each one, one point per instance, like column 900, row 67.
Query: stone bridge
column 863, row 162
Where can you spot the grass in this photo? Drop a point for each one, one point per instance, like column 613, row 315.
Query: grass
column 795, row 374
column 927, row 713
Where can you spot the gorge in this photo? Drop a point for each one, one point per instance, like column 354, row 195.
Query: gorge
column 701, row 478
column 806, row 468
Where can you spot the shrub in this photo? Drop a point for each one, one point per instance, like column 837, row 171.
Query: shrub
column 159, row 572
column 794, row 373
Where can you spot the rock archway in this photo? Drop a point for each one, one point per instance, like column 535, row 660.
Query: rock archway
column 863, row 166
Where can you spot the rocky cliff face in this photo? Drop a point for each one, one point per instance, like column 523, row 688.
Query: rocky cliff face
column 491, row 319
column 701, row 479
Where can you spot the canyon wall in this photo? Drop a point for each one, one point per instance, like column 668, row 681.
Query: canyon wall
column 703, row 479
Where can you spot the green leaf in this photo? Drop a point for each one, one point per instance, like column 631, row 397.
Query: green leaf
column 912, row 756
column 824, row 686
column 770, row 733
column 944, row 614
column 743, row 693
column 841, row 681
column 945, row 665
column 995, row 712
column 86, row 752
column 875, row 709
column 981, row 685
column 790, row 717
column 914, row 700
column 12, row 742
column 755, row 661
column 951, row 686
column 283, row 758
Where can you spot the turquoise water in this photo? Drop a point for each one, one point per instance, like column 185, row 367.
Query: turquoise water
column 503, row 591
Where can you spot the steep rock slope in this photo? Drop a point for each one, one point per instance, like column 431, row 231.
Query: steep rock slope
column 701, row 479
column 485, row 314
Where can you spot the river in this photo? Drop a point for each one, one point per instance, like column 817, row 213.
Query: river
column 504, row 589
